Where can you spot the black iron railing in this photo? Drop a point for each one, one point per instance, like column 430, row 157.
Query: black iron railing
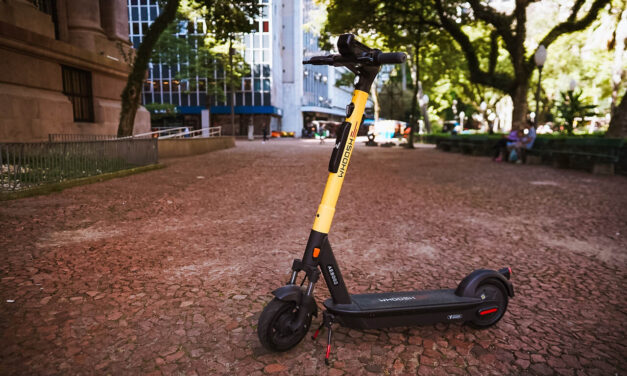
column 65, row 137
column 26, row 165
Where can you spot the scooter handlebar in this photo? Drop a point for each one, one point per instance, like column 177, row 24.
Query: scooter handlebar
column 391, row 58
column 374, row 58
column 320, row 60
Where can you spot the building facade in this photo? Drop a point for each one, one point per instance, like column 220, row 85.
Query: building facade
column 62, row 68
column 277, row 91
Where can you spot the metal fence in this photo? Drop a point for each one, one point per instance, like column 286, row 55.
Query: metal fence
column 26, row 165
column 62, row 137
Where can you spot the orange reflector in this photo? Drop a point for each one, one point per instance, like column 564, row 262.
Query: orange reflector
column 316, row 252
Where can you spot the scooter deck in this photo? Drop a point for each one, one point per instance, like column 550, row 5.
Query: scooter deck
column 378, row 310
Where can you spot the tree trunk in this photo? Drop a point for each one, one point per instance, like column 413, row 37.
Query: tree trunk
column 415, row 113
column 519, row 97
column 375, row 99
column 618, row 124
column 620, row 34
column 131, row 96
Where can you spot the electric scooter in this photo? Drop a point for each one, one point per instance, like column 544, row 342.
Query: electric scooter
column 480, row 299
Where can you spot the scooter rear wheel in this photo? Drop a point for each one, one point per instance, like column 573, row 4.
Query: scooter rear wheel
column 273, row 329
column 494, row 291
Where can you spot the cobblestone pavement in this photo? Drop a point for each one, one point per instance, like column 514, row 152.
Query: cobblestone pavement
column 166, row 272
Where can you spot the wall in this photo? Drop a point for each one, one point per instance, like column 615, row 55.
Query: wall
column 32, row 102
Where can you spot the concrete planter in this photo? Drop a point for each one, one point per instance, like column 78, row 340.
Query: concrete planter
column 183, row 147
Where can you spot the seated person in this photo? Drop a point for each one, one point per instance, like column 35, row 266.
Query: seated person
column 501, row 147
column 528, row 139
column 526, row 143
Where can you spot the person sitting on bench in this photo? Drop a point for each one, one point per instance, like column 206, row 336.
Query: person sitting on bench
column 525, row 143
column 500, row 148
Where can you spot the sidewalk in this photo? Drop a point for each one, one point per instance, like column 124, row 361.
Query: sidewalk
column 166, row 272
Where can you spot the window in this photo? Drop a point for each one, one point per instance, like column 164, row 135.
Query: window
column 49, row 7
column 77, row 86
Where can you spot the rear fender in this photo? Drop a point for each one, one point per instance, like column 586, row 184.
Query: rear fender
column 468, row 285
column 294, row 293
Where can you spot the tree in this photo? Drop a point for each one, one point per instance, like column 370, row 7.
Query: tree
column 131, row 95
column 435, row 61
column 508, row 32
column 224, row 18
column 401, row 24
column 618, row 123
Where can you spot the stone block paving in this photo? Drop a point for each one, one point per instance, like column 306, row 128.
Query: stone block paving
column 166, row 272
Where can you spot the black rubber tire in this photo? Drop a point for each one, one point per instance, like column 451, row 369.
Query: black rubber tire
column 493, row 290
column 273, row 330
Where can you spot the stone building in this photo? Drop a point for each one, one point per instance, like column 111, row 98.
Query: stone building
column 63, row 66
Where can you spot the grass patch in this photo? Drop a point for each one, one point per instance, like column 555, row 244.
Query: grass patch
column 58, row 187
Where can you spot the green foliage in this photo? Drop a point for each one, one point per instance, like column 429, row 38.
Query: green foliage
column 571, row 107
column 584, row 56
column 442, row 66
column 161, row 110
column 346, row 79
column 468, row 51
column 197, row 55
column 201, row 53
column 226, row 18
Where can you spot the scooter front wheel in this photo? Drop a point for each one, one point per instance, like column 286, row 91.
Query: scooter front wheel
column 274, row 326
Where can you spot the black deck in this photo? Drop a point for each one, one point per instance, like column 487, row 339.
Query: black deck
column 403, row 308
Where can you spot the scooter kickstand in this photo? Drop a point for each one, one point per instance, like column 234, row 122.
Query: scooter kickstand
column 315, row 335
column 328, row 323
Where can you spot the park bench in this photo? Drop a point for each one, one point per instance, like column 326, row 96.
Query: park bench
column 597, row 154
column 474, row 145
column 445, row 143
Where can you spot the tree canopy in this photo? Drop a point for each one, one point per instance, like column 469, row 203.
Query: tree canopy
column 475, row 50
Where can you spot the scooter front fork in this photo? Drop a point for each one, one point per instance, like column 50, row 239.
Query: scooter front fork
column 308, row 303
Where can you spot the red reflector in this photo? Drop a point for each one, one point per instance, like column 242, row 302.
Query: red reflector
column 510, row 270
column 488, row 311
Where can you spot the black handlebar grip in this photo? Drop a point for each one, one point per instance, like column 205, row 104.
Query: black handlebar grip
column 391, row 58
column 320, row 60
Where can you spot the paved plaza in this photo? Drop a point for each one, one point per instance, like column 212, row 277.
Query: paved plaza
column 166, row 272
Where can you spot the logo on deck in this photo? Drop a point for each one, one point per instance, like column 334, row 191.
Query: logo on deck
column 398, row 299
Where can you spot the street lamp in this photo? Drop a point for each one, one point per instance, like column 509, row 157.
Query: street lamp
column 539, row 57
column 572, row 85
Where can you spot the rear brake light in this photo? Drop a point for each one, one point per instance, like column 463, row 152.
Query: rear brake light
column 506, row 272
column 488, row 311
